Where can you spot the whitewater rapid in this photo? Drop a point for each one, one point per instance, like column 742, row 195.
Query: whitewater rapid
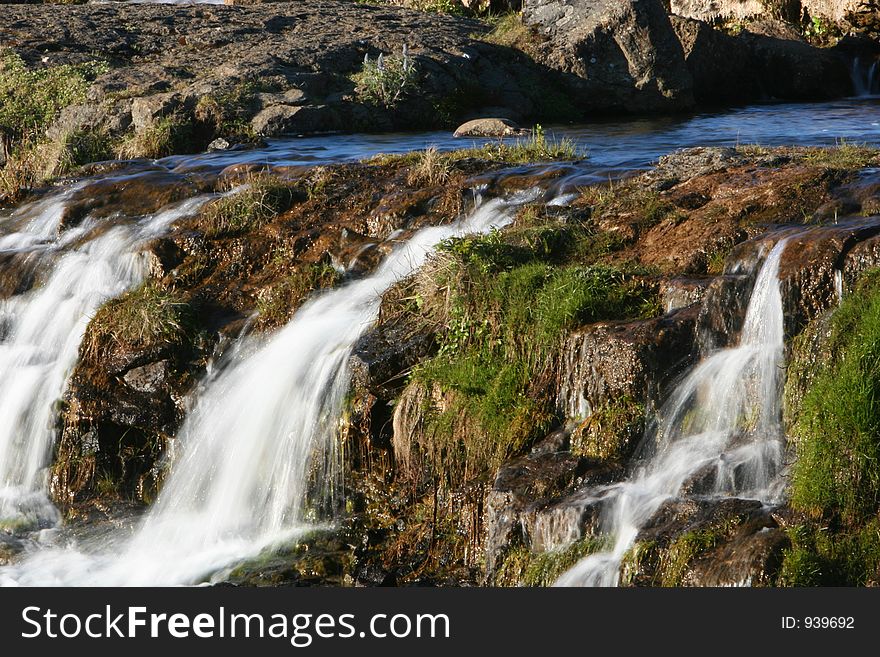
column 261, row 431
column 725, row 417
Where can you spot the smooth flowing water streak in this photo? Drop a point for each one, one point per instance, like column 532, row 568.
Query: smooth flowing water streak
column 40, row 333
column 262, row 429
column 866, row 77
column 723, row 418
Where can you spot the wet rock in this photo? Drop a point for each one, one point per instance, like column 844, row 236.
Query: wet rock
column 488, row 128
column 611, row 374
column 141, row 191
column 677, row 293
column 812, row 262
column 147, row 378
column 623, row 53
column 725, row 301
column 10, row 546
column 529, row 503
column 558, row 525
column 690, row 542
column 383, row 357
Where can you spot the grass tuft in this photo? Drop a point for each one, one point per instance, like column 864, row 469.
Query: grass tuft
column 165, row 136
column 262, row 198
column 148, row 318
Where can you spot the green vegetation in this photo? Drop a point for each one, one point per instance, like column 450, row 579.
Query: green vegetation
column 386, row 80
column 844, row 155
column 645, row 207
column 226, row 113
column 148, row 318
column 433, row 167
column 837, row 473
column 262, row 198
column 521, row 567
column 820, row 556
column 510, row 31
column 500, row 304
column 430, row 168
column 277, row 304
column 30, row 101
column 835, row 421
column 165, row 136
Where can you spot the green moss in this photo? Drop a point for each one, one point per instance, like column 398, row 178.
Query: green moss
column 148, row 318
column 821, row 557
column 522, row 567
column 687, row 548
column 611, row 432
column 639, row 562
column 262, row 198
column 837, row 472
column 502, row 302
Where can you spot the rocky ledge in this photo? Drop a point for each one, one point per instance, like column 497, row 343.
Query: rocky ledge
column 171, row 78
column 577, row 317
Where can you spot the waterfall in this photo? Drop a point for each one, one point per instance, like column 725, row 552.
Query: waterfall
column 262, row 428
column 866, row 77
column 41, row 329
column 723, row 418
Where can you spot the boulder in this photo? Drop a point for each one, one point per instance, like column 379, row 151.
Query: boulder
column 621, row 55
column 488, row 128
column 753, row 66
column 605, row 362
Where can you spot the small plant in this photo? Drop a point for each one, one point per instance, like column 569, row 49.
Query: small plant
column 262, row 198
column 386, row 80
column 147, row 318
column 430, row 169
column 165, row 136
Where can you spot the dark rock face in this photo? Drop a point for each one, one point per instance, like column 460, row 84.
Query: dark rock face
column 752, row 67
column 624, row 53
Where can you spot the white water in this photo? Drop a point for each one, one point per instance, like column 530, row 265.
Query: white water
column 724, row 417
column 40, row 333
column 262, row 428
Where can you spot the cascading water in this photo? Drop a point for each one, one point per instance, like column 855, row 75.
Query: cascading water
column 261, row 423
column 723, row 417
column 866, row 77
column 40, row 332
